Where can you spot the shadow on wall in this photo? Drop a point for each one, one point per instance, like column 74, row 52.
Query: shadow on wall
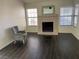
column 8, row 33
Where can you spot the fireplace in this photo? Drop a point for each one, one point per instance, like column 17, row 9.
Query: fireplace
column 47, row 26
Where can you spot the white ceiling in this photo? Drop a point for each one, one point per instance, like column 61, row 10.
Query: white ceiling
column 32, row 1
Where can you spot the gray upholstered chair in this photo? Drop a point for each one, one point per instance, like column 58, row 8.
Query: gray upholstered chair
column 18, row 35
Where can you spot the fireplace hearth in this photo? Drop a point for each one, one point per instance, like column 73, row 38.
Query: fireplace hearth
column 47, row 26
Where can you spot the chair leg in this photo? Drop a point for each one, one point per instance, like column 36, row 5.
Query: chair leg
column 23, row 42
column 14, row 42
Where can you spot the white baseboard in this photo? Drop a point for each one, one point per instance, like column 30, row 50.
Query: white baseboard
column 5, row 45
column 76, row 36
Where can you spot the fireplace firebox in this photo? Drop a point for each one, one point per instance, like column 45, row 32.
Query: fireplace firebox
column 47, row 26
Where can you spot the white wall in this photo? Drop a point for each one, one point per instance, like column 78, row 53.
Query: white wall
column 76, row 29
column 65, row 29
column 11, row 14
column 57, row 4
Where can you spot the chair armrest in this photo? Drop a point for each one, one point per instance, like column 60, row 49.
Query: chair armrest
column 21, row 32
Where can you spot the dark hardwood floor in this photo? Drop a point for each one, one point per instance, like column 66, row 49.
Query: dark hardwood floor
column 63, row 46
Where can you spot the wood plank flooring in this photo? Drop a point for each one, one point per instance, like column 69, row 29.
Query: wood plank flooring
column 63, row 46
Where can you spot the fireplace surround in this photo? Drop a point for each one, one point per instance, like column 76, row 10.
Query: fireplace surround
column 48, row 25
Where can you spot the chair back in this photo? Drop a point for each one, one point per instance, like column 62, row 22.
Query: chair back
column 15, row 29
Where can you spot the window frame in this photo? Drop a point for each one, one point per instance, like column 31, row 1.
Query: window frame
column 31, row 17
column 76, row 15
column 67, row 16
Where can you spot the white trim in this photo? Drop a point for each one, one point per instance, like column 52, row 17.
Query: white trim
column 6, row 45
column 76, row 36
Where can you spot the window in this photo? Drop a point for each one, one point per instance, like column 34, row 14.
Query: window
column 32, row 17
column 66, row 16
column 76, row 15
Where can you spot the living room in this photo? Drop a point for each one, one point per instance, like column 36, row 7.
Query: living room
column 47, row 18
